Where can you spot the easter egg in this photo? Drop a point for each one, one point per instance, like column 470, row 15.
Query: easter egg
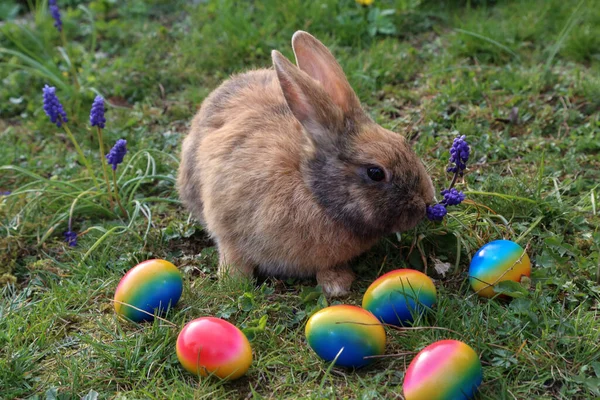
column 213, row 346
column 500, row 260
column 349, row 329
column 444, row 370
column 152, row 286
column 395, row 297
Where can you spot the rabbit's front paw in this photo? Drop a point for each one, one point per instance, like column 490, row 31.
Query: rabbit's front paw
column 231, row 264
column 336, row 282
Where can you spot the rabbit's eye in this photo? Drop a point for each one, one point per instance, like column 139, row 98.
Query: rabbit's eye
column 375, row 173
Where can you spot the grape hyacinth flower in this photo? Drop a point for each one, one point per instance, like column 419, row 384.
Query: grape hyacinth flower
column 52, row 106
column 452, row 197
column 71, row 238
column 97, row 112
column 436, row 212
column 459, row 155
column 55, row 13
column 116, row 154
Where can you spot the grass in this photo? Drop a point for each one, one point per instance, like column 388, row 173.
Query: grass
column 426, row 70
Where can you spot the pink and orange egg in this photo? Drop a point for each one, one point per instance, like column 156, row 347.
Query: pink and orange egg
column 444, row 370
column 212, row 346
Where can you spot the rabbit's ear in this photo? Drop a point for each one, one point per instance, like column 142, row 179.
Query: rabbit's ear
column 309, row 103
column 317, row 61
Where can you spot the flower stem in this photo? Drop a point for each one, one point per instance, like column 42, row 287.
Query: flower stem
column 114, row 174
column 454, row 179
column 84, row 160
column 104, row 166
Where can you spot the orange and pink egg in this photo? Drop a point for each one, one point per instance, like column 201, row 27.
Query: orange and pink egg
column 444, row 370
column 212, row 346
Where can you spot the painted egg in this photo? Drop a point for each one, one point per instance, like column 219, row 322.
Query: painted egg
column 396, row 297
column 444, row 370
column 500, row 260
column 351, row 331
column 213, row 346
column 152, row 286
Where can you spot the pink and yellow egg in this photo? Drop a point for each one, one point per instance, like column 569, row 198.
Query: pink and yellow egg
column 148, row 288
column 347, row 332
column 497, row 261
column 398, row 296
column 212, row 346
column 444, row 370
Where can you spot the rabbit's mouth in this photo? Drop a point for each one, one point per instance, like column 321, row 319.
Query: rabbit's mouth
column 410, row 217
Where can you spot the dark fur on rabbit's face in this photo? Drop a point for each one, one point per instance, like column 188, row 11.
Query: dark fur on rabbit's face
column 338, row 177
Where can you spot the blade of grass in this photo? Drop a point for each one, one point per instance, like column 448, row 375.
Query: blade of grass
column 91, row 20
column 42, row 69
column 564, row 33
column 502, row 196
column 492, row 41
column 116, row 230
column 531, row 228
column 38, row 177
column 540, row 175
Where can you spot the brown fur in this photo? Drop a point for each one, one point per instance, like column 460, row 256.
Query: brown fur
column 275, row 168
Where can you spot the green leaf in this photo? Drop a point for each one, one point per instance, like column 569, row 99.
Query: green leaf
column 52, row 394
column 510, row 288
column 596, row 366
column 92, row 395
column 521, row 306
column 246, row 302
column 255, row 327
column 310, row 294
column 593, row 384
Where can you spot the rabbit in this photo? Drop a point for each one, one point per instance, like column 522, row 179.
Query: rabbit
column 290, row 176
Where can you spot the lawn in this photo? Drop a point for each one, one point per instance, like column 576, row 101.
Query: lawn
column 521, row 79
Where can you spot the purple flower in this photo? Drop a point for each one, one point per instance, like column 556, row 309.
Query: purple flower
column 5, row 193
column 459, row 155
column 116, row 154
column 55, row 12
column 452, row 197
column 97, row 112
column 436, row 212
column 71, row 238
column 52, row 106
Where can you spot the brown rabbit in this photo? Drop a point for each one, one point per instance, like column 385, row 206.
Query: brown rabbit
column 289, row 175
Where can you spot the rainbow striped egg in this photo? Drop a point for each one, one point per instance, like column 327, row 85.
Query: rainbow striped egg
column 351, row 331
column 152, row 286
column 213, row 346
column 500, row 260
column 444, row 370
column 396, row 297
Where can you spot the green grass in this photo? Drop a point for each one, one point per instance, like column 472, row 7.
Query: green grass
column 426, row 70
